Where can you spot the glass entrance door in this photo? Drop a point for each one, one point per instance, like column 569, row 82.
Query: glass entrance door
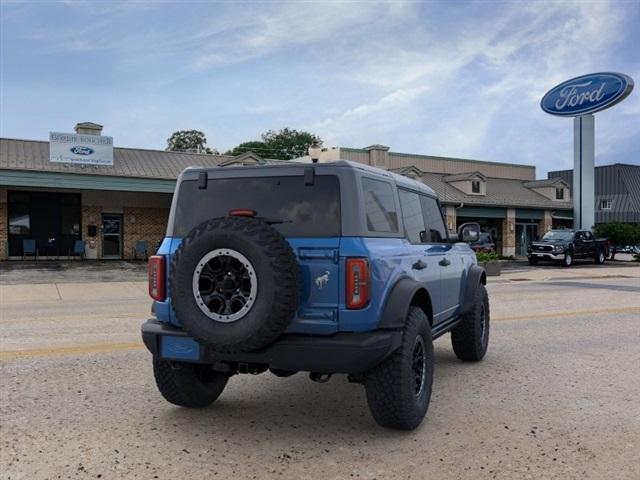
column 111, row 235
column 525, row 233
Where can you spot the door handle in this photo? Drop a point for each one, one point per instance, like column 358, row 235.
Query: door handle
column 444, row 262
column 419, row 265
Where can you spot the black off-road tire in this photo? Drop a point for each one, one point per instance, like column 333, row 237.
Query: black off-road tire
column 391, row 386
column 533, row 260
column 567, row 261
column 188, row 385
column 600, row 257
column 278, row 289
column 470, row 338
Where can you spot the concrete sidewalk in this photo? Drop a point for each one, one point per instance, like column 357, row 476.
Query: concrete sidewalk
column 85, row 271
column 541, row 273
column 43, row 293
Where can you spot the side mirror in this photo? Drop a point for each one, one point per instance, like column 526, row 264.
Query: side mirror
column 469, row 232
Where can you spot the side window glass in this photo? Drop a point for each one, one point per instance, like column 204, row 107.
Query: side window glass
column 380, row 206
column 412, row 216
column 588, row 236
column 436, row 232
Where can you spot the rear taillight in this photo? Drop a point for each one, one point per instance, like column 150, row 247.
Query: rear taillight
column 156, row 277
column 357, row 282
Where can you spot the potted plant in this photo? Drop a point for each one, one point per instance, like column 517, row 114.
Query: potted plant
column 489, row 261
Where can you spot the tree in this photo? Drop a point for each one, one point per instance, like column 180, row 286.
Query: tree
column 255, row 146
column 283, row 144
column 619, row 234
column 188, row 141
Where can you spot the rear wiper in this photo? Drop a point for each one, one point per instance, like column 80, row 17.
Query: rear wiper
column 273, row 221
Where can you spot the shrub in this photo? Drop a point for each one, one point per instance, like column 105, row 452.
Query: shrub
column 619, row 234
column 486, row 257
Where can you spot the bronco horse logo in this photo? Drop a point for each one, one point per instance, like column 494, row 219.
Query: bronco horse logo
column 322, row 280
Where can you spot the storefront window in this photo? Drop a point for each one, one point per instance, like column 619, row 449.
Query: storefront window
column 70, row 214
column 51, row 219
column 19, row 214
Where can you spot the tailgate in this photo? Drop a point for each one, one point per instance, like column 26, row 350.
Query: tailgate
column 319, row 263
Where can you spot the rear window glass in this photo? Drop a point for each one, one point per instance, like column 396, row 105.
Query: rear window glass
column 306, row 210
column 380, row 206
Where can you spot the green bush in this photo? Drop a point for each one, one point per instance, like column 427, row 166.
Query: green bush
column 486, row 257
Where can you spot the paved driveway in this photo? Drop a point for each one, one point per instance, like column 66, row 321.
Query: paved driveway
column 556, row 397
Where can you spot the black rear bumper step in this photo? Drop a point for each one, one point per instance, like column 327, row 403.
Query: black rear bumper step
column 344, row 352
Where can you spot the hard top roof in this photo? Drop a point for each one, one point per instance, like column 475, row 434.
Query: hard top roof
column 400, row 180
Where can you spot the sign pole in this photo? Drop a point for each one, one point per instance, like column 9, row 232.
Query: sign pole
column 583, row 172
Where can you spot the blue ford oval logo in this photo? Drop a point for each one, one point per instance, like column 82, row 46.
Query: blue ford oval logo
column 79, row 150
column 587, row 94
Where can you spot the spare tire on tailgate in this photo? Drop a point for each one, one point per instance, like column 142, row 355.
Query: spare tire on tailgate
column 234, row 284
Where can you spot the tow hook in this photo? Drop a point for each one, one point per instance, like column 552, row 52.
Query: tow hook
column 320, row 377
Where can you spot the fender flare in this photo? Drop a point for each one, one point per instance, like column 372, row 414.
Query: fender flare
column 397, row 305
column 475, row 277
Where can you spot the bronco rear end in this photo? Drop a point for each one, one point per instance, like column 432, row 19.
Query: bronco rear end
column 316, row 283
column 279, row 268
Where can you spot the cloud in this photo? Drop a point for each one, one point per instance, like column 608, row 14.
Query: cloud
column 464, row 80
column 487, row 77
column 286, row 27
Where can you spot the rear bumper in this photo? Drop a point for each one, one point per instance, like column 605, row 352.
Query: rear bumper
column 339, row 353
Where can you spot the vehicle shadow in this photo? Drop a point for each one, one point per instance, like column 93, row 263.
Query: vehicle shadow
column 287, row 411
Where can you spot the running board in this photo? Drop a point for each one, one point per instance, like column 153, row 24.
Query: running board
column 444, row 327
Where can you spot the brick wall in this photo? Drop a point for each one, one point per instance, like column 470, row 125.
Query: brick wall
column 91, row 215
column 509, row 233
column 148, row 224
column 546, row 223
column 451, row 218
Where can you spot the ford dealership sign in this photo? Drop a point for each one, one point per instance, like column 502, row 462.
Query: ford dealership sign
column 587, row 94
column 80, row 149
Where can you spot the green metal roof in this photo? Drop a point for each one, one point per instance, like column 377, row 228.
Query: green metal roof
column 26, row 178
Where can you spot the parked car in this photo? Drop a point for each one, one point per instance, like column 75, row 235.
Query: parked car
column 564, row 246
column 483, row 244
column 629, row 249
column 326, row 268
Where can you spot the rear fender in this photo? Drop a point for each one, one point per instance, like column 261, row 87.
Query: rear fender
column 475, row 277
column 405, row 293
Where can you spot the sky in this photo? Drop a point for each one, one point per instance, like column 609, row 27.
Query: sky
column 451, row 78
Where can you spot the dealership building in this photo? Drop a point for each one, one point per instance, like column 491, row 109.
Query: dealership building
column 79, row 187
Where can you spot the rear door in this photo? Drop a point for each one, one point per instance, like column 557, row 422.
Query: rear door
column 318, row 259
column 424, row 257
column 589, row 245
column 580, row 245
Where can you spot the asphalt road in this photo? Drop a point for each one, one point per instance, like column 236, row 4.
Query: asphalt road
column 556, row 397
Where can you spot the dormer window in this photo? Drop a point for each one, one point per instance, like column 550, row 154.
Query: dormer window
column 472, row 183
column 560, row 193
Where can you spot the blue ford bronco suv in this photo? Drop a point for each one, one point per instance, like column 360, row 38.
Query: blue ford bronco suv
column 324, row 268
